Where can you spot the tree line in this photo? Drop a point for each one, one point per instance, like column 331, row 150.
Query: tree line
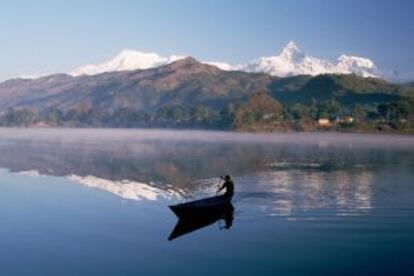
column 260, row 112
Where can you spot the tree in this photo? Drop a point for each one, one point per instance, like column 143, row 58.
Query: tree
column 300, row 111
column 260, row 107
column 200, row 113
column 127, row 117
column 53, row 116
column 359, row 112
column 23, row 117
column 330, row 109
column 174, row 114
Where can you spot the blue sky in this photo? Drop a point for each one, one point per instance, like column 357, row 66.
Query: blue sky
column 56, row 36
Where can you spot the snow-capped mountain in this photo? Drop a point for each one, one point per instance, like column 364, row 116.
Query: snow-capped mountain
column 124, row 61
column 290, row 62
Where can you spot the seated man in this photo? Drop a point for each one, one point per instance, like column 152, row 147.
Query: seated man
column 228, row 185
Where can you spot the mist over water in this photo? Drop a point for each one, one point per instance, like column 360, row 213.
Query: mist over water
column 76, row 135
column 109, row 190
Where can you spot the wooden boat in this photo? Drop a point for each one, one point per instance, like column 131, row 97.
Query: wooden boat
column 201, row 217
column 201, row 207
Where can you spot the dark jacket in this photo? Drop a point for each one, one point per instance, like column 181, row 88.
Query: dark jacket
column 229, row 186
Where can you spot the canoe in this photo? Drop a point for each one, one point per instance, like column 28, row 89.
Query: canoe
column 198, row 220
column 201, row 206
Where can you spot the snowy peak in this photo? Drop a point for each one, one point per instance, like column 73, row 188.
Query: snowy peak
column 292, row 52
column 357, row 65
column 124, row 61
column 292, row 61
column 128, row 59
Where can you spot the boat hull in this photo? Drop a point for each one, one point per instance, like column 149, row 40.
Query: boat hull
column 198, row 220
column 201, row 207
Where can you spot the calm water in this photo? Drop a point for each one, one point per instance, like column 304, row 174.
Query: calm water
column 95, row 202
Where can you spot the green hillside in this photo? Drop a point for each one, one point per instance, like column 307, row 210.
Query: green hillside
column 189, row 94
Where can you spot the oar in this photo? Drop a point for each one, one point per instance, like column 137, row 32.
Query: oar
column 219, row 184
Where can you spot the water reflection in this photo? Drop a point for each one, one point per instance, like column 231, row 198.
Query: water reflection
column 128, row 189
column 275, row 174
column 198, row 220
column 287, row 192
column 330, row 198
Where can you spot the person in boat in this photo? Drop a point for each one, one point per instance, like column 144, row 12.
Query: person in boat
column 228, row 185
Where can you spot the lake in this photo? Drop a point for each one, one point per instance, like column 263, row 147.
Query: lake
column 95, row 202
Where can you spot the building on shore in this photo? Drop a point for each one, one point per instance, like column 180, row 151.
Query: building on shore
column 324, row 122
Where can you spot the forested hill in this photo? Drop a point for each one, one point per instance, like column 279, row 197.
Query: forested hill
column 187, row 93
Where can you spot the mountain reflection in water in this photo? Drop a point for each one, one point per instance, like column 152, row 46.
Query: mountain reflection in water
column 275, row 174
column 88, row 201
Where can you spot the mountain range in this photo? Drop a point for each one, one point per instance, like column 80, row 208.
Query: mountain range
column 290, row 62
column 186, row 82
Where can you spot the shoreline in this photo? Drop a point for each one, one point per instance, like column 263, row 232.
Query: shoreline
column 240, row 131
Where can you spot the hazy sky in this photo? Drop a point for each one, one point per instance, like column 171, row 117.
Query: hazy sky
column 56, row 36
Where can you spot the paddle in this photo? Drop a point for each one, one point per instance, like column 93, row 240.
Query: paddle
column 219, row 185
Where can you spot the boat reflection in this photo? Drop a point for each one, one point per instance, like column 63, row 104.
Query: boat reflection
column 201, row 218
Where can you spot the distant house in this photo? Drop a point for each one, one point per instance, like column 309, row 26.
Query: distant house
column 345, row 120
column 41, row 124
column 324, row 122
column 349, row 119
column 268, row 116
